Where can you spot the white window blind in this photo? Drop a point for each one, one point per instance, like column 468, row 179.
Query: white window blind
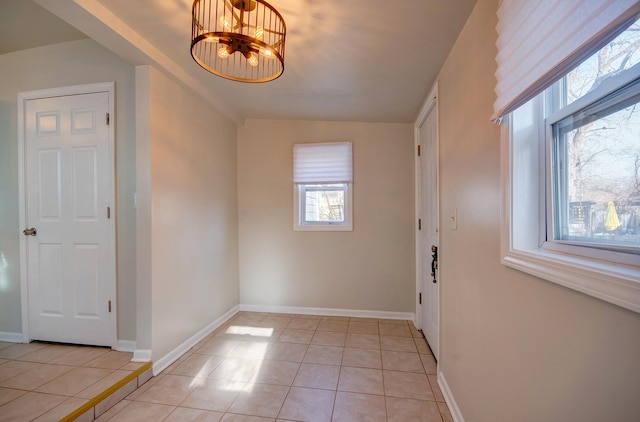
column 540, row 41
column 323, row 163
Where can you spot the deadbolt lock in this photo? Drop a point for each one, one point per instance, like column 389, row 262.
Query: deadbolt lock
column 29, row 232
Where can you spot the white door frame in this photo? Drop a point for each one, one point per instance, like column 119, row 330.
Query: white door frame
column 23, row 97
column 427, row 107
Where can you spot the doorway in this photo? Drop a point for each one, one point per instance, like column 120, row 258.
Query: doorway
column 428, row 237
column 67, row 214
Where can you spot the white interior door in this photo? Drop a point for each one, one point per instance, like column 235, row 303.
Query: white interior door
column 429, row 235
column 68, row 189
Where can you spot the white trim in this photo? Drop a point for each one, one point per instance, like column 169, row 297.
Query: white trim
column 456, row 414
column 126, row 346
column 23, row 97
column 356, row 313
column 10, row 337
column 141, row 355
column 166, row 360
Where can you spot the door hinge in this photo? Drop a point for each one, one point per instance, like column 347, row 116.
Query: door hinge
column 107, row 120
column 419, row 151
column 419, row 299
column 110, row 306
column 419, row 223
column 108, row 212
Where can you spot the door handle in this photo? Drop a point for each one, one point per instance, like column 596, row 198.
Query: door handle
column 434, row 262
column 29, row 232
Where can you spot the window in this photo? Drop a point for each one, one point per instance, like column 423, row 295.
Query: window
column 571, row 177
column 323, row 177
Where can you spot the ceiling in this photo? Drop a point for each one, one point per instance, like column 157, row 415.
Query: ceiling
column 356, row 60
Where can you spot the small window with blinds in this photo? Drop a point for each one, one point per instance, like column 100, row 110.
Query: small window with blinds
column 323, row 177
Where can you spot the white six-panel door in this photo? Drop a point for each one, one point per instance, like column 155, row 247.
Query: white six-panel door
column 68, row 185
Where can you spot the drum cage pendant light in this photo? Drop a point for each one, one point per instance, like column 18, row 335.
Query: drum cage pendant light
column 241, row 40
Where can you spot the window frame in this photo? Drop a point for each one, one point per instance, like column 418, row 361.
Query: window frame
column 527, row 214
column 299, row 215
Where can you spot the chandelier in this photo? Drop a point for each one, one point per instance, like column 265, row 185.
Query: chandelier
column 241, row 40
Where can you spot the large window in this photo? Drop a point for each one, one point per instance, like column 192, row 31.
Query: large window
column 323, row 176
column 572, row 177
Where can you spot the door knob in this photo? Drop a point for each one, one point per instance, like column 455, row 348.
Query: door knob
column 434, row 262
column 29, row 232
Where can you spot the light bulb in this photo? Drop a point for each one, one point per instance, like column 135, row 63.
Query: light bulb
column 259, row 33
column 223, row 52
column 253, row 59
column 224, row 22
column 267, row 52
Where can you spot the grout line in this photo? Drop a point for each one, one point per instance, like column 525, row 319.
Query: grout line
column 106, row 393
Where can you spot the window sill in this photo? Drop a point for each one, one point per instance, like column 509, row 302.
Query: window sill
column 617, row 284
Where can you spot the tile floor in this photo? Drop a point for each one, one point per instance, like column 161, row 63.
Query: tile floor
column 45, row 382
column 276, row 367
column 256, row 368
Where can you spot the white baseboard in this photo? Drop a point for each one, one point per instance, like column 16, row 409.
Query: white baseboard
column 166, row 360
column 448, row 397
column 126, row 346
column 356, row 313
column 10, row 337
column 141, row 355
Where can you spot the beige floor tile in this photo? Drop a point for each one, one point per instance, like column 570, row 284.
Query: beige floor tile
column 276, row 321
column 61, row 410
column 102, row 384
column 308, row 405
column 260, row 400
column 38, row 375
column 401, row 361
column 403, row 410
column 182, row 414
column 301, row 323
column 328, row 355
column 361, row 380
column 236, row 369
column 313, row 375
column 363, row 341
column 80, row 355
column 395, row 321
column 398, row 344
column 339, row 325
column 230, row 417
column 362, row 319
column 51, row 353
column 291, row 335
column 407, row 385
column 74, row 381
column 106, row 416
column 251, row 349
column 14, row 368
column 329, row 338
column 3, row 361
column 433, row 380
column 352, row 407
column 444, row 412
column 8, row 394
column 422, row 346
column 415, row 332
column 216, row 395
column 16, row 351
column 143, row 388
column 4, row 344
column 29, row 406
column 363, row 328
column 217, row 346
column 429, row 363
column 111, row 360
column 171, row 390
column 362, row 358
column 248, row 318
column 276, row 372
column 140, row 411
column 197, row 365
column 132, row 366
column 289, row 352
column 395, row 330
column 336, row 318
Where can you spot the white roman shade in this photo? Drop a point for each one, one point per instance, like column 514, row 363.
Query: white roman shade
column 323, row 163
column 540, row 41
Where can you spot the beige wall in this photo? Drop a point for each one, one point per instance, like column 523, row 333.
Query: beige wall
column 187, row 213
column 371, row 268
column 514, row 347
column 72, row 63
